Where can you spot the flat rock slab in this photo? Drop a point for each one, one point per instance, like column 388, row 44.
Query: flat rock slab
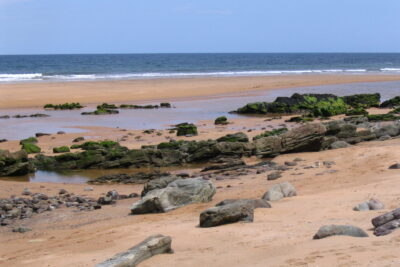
column 157, row 244
column 332, row 230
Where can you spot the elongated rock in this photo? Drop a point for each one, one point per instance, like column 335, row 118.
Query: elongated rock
column 157, row 244
column 331, row 230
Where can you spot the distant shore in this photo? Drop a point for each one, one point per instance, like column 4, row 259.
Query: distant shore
column 25, row 95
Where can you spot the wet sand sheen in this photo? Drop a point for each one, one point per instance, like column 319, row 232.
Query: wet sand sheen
column 38, row 94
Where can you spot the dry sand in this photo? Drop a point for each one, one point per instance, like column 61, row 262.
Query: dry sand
column 281, row 236
column 38, row 94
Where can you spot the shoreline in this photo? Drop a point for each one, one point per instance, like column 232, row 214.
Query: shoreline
column 31, row 95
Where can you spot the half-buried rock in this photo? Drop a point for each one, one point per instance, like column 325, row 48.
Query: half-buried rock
column 280, row 191
column 157, row 244
column 331, row 230
column 372, row 204
column 178, row 193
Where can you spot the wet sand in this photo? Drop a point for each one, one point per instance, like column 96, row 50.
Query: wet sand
column 38, row 94
column 281, row 236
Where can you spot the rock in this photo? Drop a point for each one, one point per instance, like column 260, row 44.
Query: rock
column 280, row 191
column 385, row 138
column 113, row 194
column 290, row 163
column 41, row 134
column 274, row 176
column 221, row 121
column 159, row 183
column 375, row 204
column 3, row 140
column 154, row 245
column 395, row 166
column 386, row 223
column 26, row 192
column 332, row 230
column 62, row 191
column 88, row 189
column 60, row 132
column 391, row 103
column 107, row 200
column 306, row 138
column 61, row 149
column 361, row 207
column 254, row 203
column 340, row 144
column 236, row 137
column 387, row 130
column 15, row 164
column 229, row 213
column 21, row 230
column 78, row 139
column 186, row 129
column 179, row 193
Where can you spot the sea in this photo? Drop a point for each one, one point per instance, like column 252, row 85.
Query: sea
column 89, row 67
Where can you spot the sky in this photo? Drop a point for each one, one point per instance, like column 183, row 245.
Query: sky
column 185, row 26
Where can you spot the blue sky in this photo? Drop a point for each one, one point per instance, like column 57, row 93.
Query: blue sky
column 154, row 26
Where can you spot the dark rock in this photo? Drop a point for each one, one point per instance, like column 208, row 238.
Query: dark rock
column 395, row 166
column 274, row 176
column 229, row 213
column 236, row 137
column 41, row 134
column 21, row 230
column 78, row 139
column 332, row 230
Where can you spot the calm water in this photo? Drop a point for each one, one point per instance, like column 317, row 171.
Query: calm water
column 134, row 66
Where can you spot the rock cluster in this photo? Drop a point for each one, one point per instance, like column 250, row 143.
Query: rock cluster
column 15, row 164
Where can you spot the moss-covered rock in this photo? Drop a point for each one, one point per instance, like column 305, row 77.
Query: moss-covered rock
column 391, row 103
column 61, row 149
column 107, row 106
column 31, row 140
column 236, row 137
column 221, row 121
column 274, row 132
column 363, row 100
column 31, row 148
column 64, row 106
column 357, row 111
column 184, row 129
column 165, row 105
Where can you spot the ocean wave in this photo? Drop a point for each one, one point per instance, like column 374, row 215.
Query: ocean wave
column 5, row 77
column 149, row 75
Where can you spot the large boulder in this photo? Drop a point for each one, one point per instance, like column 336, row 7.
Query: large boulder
column 305, row 138
column 178, row 193
column 157, row 244
column 331, row 230
column 159, row 183
column 280, row 191
column 386, row 223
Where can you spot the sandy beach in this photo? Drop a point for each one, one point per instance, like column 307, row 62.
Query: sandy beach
column 281, row 236
column 23, row 95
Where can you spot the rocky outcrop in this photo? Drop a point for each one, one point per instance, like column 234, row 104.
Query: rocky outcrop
column 332, row 230
column 280, row 191
column 178, row 193
column 386, row 223
column 154, row 245
column 15, row 164
column 123, row 178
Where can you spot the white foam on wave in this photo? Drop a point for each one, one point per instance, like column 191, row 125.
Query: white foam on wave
column 391, row 69
column 150, row 75
column 5, row 77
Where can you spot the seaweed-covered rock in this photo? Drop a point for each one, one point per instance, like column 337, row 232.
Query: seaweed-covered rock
column 179, row 193
column 15, row 164
column 363, row 100
column 391, row 103
column 236, row 137
column 64, row 106
column 274, row 132
column 101, row 111
column 186, row 129
column 61, row 149
column 31, row 148
column 383, row 117
column 221, row 121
